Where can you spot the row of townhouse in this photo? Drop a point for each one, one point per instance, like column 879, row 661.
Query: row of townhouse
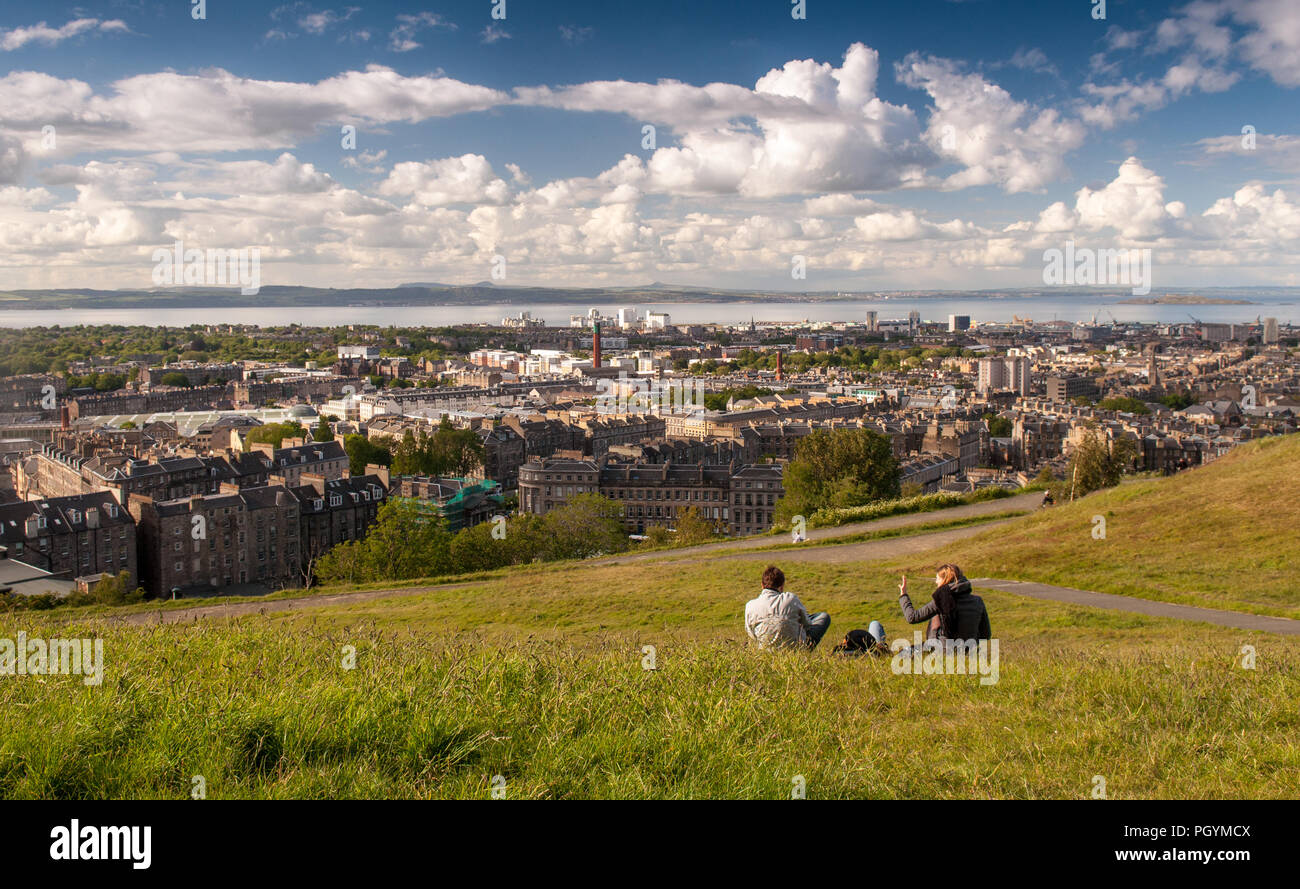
column 264, row 537
column 154, row 401
column 741, row 499
column 71, row 537
column 53, row 472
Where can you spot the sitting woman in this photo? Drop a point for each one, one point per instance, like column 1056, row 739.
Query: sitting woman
column 954, row 612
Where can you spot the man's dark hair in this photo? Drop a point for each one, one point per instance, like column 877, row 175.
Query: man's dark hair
column 773, row 578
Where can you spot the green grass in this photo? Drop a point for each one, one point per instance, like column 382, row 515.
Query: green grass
column 888, row 533
column 264, row 712
column 536, row 675
column 1226, row 535
column 830, row 518
column 542, row 683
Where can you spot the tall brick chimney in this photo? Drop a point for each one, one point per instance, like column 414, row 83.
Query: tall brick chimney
column 595, row 344
column 780, row 367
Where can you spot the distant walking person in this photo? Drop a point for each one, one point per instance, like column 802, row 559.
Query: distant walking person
column 777, row 619
column 954, row 612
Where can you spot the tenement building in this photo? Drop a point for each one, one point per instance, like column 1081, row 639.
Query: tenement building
column 265, row 536
column 237, row 537
column 740, row 498
column 71, row 537
column 335, row 511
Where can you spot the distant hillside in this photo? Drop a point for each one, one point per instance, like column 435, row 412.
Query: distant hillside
column 482, row 293
column 1185, row 299
column 492, row 293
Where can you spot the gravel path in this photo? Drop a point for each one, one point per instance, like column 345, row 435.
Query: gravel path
column 1238, row 619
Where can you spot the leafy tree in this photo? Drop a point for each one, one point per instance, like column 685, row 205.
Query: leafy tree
column 362, row 452
column 693, row 527
column 100, row 382
column 457, row 452
column 407, row 540
column 838, row 468
column 1097, row 463
column 657, row 537
column 322, row 431
column 175, row 379
column 588, row 525
column 475, row 549
column 1123, row 403
column 716, row 401
column 448, row 452
column 1177, row 401
column 999, row 427
column 276, row 433
column 116, row 590
column 408, row 453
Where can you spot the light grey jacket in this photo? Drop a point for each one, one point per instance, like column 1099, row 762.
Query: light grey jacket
column 776, row 620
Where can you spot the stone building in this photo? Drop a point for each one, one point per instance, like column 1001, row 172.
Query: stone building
column 335, row 511
column 234, row 538
column 295, row 459
column 740, row 498
column 71, row 537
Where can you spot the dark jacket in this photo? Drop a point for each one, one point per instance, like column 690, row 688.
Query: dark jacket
column 972, row 616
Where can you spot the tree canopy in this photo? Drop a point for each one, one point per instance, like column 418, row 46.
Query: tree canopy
column 838, row 468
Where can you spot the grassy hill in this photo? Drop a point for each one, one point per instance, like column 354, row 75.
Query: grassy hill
column 537, row 675
column 1226, row 535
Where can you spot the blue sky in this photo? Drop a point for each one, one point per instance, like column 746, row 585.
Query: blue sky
column 892, row 145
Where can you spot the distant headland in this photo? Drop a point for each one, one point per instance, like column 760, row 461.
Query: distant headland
column 1185, row 299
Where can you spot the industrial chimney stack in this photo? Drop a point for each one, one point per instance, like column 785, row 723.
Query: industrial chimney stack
column 595, row 344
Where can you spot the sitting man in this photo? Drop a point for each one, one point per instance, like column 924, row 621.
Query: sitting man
column 777, row 619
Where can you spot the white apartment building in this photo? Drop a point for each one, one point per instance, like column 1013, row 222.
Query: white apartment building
column 1003, row 373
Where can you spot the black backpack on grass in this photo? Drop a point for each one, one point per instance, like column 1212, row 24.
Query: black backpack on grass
column 858, row 643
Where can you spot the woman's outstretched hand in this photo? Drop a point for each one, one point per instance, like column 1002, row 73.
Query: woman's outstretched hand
column 902, row 587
